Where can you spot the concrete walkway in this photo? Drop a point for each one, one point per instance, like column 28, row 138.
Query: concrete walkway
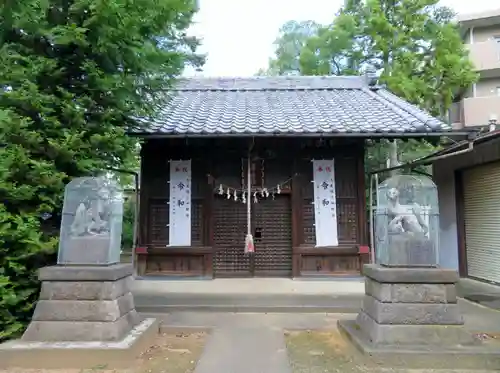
column 245, row 342
column 254, row 342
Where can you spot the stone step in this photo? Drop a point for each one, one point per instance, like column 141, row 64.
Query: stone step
column 264, row 303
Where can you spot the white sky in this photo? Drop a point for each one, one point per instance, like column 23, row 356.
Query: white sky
column 238, row 34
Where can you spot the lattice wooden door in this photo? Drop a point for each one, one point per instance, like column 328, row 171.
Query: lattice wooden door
column 229, row 231
column 272, row 223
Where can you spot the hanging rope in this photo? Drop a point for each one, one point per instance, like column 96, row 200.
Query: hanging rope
column 249, row 192
column 249, row 246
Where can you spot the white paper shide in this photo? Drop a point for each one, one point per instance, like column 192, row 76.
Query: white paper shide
column 180, row 203
column 325, row 203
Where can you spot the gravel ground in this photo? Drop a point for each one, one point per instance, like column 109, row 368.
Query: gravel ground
column 172, row 353
column 330, row 352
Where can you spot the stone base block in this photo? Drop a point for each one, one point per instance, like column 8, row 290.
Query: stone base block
column 84, row 310
column 80, row 355
column 84, row 304
column 85, row 273
column 388, row 275
column 411, row 293
column 87, row 331
column 412, row 313
column 85, row 290
column 410, row 307
column 451, row 355
column 435, row 335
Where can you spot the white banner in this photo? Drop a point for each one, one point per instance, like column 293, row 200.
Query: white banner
column 325, row 203
column 180, row 203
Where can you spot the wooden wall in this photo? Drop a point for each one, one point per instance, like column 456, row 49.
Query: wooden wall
column 217, row 161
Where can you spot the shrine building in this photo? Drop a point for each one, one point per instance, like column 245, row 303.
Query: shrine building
column 280, row 158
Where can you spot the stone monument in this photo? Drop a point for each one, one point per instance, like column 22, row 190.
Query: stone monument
column 407, row 222
column 91, row 225
column 410, row 302
column 85, row 301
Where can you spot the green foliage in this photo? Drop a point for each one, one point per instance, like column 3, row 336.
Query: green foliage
column 73, row 76
column 288, row 46
column 128, row 224
column 413, row 44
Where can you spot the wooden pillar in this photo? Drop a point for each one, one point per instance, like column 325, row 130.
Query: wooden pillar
column 361, row 197
column 208, row 219
column 297, row 228
column 362, row 231
column 143, row 230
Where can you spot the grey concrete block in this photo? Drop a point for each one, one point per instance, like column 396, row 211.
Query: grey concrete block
column 86, row 273
column 83, row 310
column 451, row 293
column 410, row 275
column 85, row 290
column 436, row 335
column 412, row 313
column 82, row 331
column 411, row 293
column 126, row 303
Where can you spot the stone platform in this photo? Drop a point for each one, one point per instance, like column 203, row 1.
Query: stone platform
column 410, row 309
column 80, row 355
column 81, row 310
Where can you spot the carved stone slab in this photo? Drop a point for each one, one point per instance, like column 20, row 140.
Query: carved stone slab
column 407, row 250
column 87, row 249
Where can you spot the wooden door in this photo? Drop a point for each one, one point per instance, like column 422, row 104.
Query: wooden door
column 272, row 230
column 230, row 229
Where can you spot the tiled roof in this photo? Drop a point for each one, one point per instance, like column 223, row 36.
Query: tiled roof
column 287, row 105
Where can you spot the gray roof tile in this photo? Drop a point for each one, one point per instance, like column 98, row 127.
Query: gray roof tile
column 287, row 105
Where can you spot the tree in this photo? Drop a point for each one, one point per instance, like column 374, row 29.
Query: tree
column 288, row 46
column 128, row 224
column 414, row 45
column 74, row 75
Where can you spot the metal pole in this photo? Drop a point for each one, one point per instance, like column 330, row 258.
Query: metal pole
column 136, row 213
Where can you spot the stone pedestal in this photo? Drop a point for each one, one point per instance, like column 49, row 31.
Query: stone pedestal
column 85, row 318
column 409, row 307
column 84, row 303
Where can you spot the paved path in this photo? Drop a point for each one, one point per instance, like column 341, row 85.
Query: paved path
column 245, row 349
column 247, row 342
column 254, row 342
